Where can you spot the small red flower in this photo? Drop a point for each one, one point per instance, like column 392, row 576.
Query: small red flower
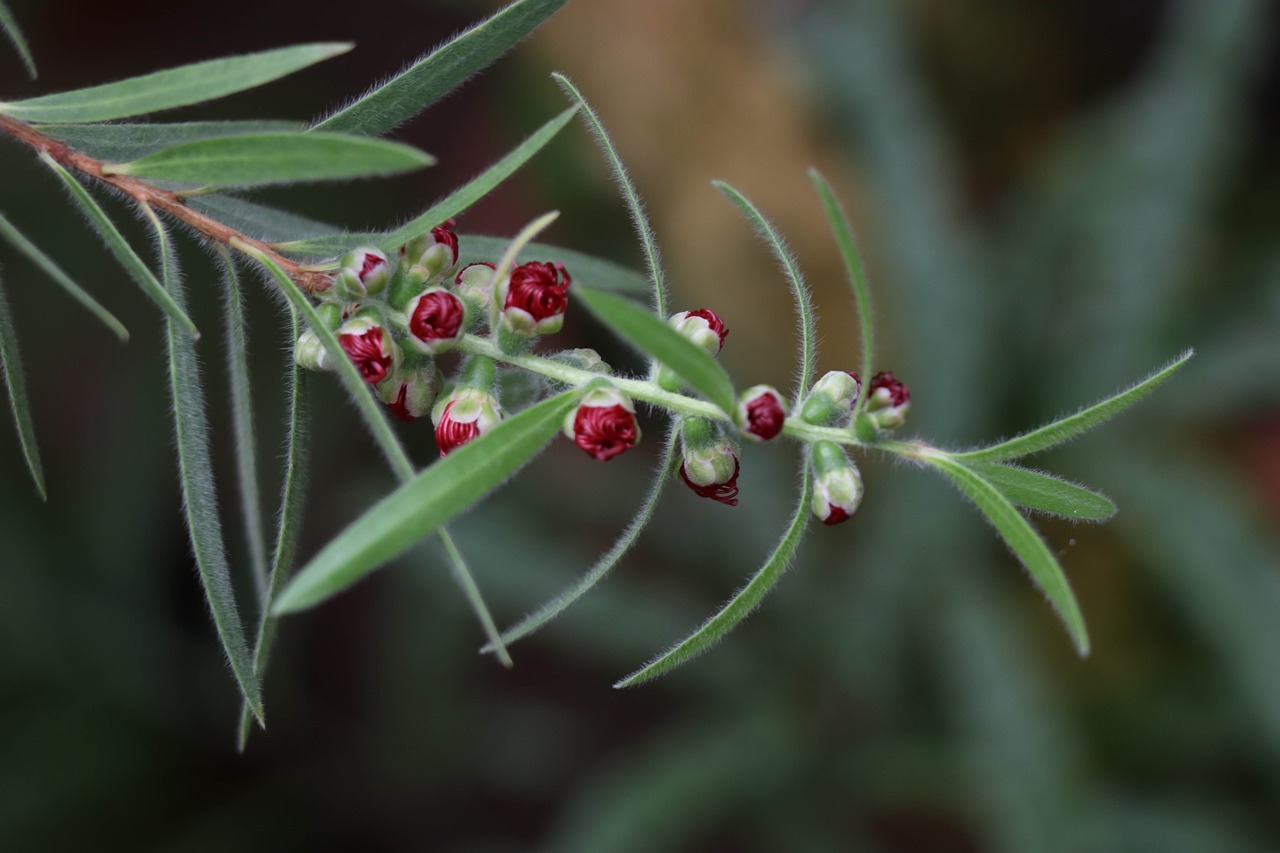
column 437, row 319
column 534, row 298
column 761, row 413
column 368, row 346
column 604, row 424
column 725, row 493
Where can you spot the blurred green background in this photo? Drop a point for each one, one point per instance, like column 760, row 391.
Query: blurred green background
column 1053, row 199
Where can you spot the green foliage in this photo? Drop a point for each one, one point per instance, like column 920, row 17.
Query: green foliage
column 176, row 87
column 16, row 386
column 1036, row 490
column 588, row 272
column 14, row 33
column 121, row 142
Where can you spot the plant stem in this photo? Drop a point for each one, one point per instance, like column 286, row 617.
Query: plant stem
column 309, row 280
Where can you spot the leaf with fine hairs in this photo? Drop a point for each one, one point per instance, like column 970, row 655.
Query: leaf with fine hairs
column 426, row 503
column 743, row 602
column 16, row 385
column 199, row 497
column 434, row 75
column 1022, row 539
column 258, row 159
column 10, row 26
column 289, row 521
column 19, row 241
column 1071, row 426
column 664, row 344
column 1041, row 492
column 553, row 608
column 259, row 221
column 447, row 208
column 119, row 247
column 120, row 142
column 175, row 87
column 652, row 258
column 854, row 270
column 799, row 291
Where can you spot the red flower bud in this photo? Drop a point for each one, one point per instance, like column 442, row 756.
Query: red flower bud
column 888, row 401
column 474, row 283
column 726, row 492
column 761, row 413
column 534, row 298
column 444, row 236
column 466, row 413
column 433, row 254
column 703, row 327
column 411, row 394
column 604, row 424
column 364, row 272
column 437, row 320
column 369, row 346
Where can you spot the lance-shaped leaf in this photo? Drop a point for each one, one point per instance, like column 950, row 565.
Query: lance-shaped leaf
column 16, row 384
column 10, row 27
column 742, row 603
column 1071, row 426
column 1036, row 490
column 655, row 338
column 449, row 206
column 258, row 220
column 605, row 564
column 799, row 292
column 1023, row 540
column 289, row 522
column 40, row 259
column 176, row 87
column 119, row 247
column 854, row 270
column 120, row 142
column 199, row 497
column 256, row 159
column 434, row 75
column 648, row 242
column 426, row 502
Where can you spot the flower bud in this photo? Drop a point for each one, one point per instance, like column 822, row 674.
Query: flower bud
column 710, row 466
column 369, row 346
column 364, row 272
column 832, row 399
column 702, row 327
column 436, row 252
column 888, row 401
column 583, row 359
column 474, row 283
column 410, row 394
column 534, row 298
column 761, row 413
column 310, row 353
column 837, row 485
column 604, row 424
column 330, row 314
column 462, row 416
column 437, row 319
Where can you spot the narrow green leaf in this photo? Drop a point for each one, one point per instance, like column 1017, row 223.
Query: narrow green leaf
column 119, row 247
column 40, row 259
column 611, row 558
column 435, row 74
column 258, row 220
column 655, row 338
column 256, row 159
column 175, row 87
column 289, row 522
column 10, row 26
column 799, row 292
column 242, row 420
column 1022, row 538
column 1069, row 427
column 119, row 142
column 426, row 503
column 1036, row 490
column 199, row 498
column 462, row 575
column 743, row 602
column 652, row 258
column 854, row 270
column 16, row 384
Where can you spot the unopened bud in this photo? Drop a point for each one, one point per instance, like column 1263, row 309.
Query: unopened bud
column 310, row 353
column 369, row 347
column 837, row 485
column 474, row 283
column 364, row 272
column 436, row 252
column 703, row 327
column 463, row 415
column 437, row 320
column 888, row 401
column 832, row 399
column 604, row 424
column 761, row 413
column 710, row 465
column 410, row 394
column 533, row 298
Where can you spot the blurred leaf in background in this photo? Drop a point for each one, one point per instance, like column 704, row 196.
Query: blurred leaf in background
column 1053, row 199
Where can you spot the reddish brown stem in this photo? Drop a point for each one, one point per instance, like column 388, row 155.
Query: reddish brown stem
column 310, row 281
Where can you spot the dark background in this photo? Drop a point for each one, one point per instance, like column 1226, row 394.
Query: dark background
column 1053, row 198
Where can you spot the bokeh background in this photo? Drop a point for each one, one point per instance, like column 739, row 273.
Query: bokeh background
column 1053, row 199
